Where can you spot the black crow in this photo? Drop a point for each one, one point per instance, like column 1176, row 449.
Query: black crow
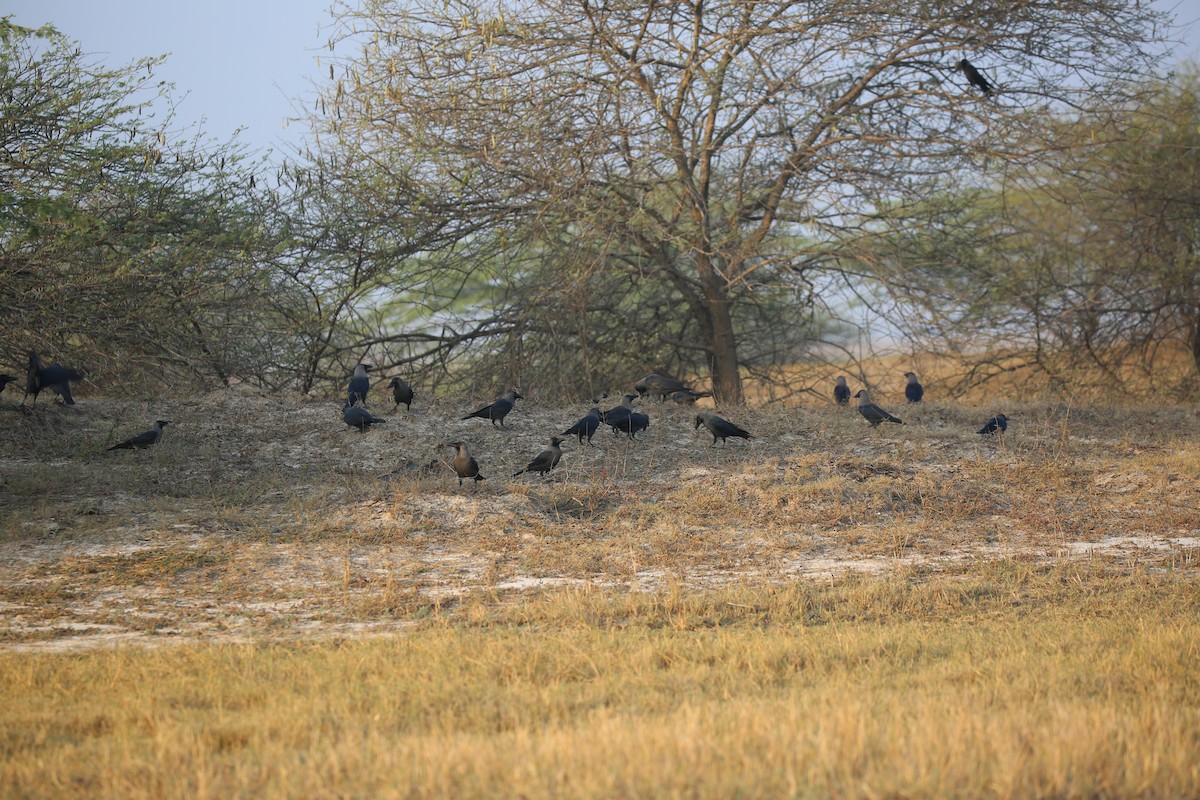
column 872, row 412
column 585, row 427
column 688, row 397
column 841, row 392
column 913, row 390
column 498, row 409
column 144, row 439
column 55, row 377
column 359, row 417
column 630, row 423
column 659, row 385
column 360, row 384
column 998, row 423
column 719, row 427
column 975, row 77
column 545, row 460
column 401, row 392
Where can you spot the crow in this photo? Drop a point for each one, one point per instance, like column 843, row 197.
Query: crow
column 464, row 464
column 913, row 390
column 659, row 385
column 144, row 439
column 841, row 392
column 498, row 409
column 975, row 77
column 544, row 461
column 401, row 392
column 360, row 384
column 584, row 427
column 719, row 427
column 630, row 423
column 618, row 413
column 688, row 397
column 998, row 423
column 55, row 377
column 359, row 417
column 872, row 412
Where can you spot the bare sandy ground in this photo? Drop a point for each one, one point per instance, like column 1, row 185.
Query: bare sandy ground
column 266, row 518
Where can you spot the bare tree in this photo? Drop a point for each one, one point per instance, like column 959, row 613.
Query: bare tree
column 704, row 137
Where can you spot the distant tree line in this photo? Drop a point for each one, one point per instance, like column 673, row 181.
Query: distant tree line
column 568, row 195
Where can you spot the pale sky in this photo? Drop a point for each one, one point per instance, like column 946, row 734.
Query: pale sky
column 247, row 63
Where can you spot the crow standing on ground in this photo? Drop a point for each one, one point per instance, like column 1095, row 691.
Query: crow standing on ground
column 464, row 464
column 359, row 417
column 144, row 439
column 498, row 409
column 719, row 427
column 55, row 377
column 5, row 380
column 688, row 397
column 975, row 77
column 631, row 423
column 360, row 384
column 998, row 423
column 544, row 461
column 913, row 390
column 584, row 427
column 659, row 385
column 841, row 392
column 872, row 412
column 618, row 413
column 401, row 392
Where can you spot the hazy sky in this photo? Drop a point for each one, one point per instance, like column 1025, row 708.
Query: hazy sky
column 246, row 63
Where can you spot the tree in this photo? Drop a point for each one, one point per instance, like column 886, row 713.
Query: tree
column 686, row 141
column 1089, row 259
column 125, row 244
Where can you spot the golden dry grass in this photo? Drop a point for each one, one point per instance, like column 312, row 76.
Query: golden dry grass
column 825, row 610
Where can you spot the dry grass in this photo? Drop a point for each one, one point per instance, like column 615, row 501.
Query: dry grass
column 825, row 610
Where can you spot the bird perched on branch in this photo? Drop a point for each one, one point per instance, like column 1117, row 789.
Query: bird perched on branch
column 55, row 377
column 359, row 417
column 719, row 427
column 873, row 413
column 401, row 392
column 841, row 392
column 144, row 439
column 975, row 77
column 464, row 464
column 997, row 424
column 498, row 409
column 584, row 427
column 360, row 384
column 544, row 461
column 913, row 390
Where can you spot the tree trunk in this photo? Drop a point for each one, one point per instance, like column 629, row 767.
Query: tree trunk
column 721, row 345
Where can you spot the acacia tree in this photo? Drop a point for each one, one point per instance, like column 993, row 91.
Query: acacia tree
column 686, row 141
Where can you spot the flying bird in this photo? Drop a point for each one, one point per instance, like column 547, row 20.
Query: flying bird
column 55, row 377
column 360, row 384
column 585, row 427
column 719, row 427
column 144, row 439
column 872, row 412
column 975, row 77
column 841, row 392
column 359, row 417
column 464, row 464
column 498, row 409
column 913, row 390
column 544, row 461
column 997, row 424
column 401, row 392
